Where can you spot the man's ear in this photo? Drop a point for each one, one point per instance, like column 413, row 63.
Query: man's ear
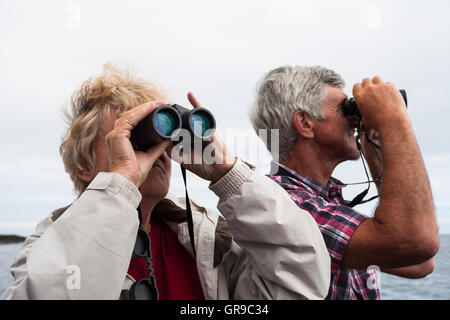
column 303, row 124
column 84, row 175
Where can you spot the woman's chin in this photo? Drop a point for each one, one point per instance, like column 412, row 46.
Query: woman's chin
column 156, row 185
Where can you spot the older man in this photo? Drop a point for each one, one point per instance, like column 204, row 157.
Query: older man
column 305, row 104
column 84, row 251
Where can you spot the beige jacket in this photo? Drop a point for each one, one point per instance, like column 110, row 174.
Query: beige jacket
column 276, row 250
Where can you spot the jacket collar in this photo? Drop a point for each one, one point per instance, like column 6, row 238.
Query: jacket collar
column 171, row 211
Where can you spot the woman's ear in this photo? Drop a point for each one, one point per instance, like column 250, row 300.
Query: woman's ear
column 303, row 124
column 84, row 175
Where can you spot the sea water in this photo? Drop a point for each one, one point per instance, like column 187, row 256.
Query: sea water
column 436, row 286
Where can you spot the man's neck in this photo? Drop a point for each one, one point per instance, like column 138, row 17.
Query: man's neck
column 311, row 163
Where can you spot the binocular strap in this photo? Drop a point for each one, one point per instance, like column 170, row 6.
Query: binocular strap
column 189, row 213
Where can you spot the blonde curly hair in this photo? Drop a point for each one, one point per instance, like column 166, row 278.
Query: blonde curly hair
column 115, row 90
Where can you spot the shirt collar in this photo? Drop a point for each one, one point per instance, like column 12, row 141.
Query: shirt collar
column 324, row 191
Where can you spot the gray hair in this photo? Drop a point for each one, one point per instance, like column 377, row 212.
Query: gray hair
column 285, row 90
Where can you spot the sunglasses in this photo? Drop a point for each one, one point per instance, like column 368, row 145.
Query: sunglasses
column 144, row 289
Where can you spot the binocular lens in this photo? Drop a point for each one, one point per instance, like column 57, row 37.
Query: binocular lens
column 164, row 123
column 200, row 123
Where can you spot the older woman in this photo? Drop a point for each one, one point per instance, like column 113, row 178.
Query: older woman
column 84, row 251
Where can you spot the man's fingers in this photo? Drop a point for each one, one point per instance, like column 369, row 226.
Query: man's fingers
column 193, row 100
column 366, row 82
column 377, row 80
column 356, row 88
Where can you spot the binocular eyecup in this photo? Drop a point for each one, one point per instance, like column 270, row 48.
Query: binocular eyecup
column 350, row 108
column 166, row 122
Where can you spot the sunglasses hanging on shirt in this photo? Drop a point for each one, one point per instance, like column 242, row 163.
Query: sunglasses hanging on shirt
column 145, row 289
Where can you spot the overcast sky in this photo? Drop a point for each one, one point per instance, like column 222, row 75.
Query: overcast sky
column 219, row 50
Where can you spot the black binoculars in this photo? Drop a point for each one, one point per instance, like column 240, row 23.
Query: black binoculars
column 350, row 108
column 165, row 122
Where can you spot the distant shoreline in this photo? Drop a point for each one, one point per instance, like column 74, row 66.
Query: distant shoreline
column 10, row 238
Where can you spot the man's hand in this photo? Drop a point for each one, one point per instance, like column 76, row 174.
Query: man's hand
column 223, row 160
column 380, row 103
column 133, row 165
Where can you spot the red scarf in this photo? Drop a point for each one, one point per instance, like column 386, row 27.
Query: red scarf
column 174, row 268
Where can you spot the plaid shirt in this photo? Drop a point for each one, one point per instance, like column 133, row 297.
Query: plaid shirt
column 337, row 222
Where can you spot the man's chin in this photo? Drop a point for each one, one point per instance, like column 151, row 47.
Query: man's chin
column 355, row 158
